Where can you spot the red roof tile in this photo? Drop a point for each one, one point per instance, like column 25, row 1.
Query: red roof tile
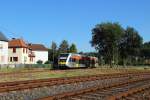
column 37, row 47
column 18, row 43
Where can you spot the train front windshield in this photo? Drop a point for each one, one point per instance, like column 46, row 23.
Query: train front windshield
column 63, row 59
column 64, row 55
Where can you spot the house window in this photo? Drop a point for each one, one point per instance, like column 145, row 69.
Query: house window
column 15, row 59
column 23, row 50
column 30, row 59
column 14, row 50
column 10, row 59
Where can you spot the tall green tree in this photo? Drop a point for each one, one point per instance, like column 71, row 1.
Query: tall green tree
column 54, row 46
column 130, row 45
column 64, row 47
column 145, row 52
column 73, row 48
column 105, row 38
column 52, row 52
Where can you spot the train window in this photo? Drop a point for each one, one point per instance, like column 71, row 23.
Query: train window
column 81, row 61
column 93, row 62
column 73, row 60
column 70, row 60
column 64, row 55
column 62, row 60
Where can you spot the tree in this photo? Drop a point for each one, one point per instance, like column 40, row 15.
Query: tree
column 54, row 46
column 64, row 47
column 105, row 39
column 50, row 54
column 47, row 62
column 73, row 48
column 130, row 45
column 53, row 54
column 145, row 53
column 94, row 54
column 81, row 52
column 146, row 50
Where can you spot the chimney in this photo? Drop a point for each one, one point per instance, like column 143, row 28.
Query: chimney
column 13, row 38
column 30, row 44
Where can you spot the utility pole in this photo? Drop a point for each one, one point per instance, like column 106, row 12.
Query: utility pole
column 53, row 57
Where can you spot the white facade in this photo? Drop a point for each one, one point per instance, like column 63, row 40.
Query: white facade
column 41, row 55
column 3, row 52
column 20, row 55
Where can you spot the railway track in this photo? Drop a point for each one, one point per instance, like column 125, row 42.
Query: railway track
column 141, row 92
column 19, row 85
column 7, row 87
column 116, row 91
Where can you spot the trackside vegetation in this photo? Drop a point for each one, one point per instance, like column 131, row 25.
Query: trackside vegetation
column 114, row 45
column 119, row 46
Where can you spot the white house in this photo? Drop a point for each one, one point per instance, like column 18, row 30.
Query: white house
column 19, row 53
column 40, row 51
column 3, row 49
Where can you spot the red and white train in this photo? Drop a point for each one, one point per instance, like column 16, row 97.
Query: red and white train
column 71, row 60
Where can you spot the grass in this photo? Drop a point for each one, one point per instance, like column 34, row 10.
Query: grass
column 6, row 70
column 15, row 70
column 64, row 73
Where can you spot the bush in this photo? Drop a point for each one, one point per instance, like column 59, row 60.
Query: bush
column 39, row 62
column 47, row 62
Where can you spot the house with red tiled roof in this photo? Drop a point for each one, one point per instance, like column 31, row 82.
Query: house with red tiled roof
column 19, row 52
column 40, row 51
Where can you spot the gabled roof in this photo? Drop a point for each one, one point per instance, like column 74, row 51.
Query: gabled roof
column 18, row 43
column 37, row 47
column 2, row 37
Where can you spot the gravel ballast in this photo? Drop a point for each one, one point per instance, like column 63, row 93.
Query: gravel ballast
column 36, row 93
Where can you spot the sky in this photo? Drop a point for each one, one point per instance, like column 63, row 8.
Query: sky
column 44, row 21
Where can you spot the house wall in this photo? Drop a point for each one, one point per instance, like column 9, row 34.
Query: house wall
column 41, row 55
column 25, row 59
column 3, row 52
column 22, row 56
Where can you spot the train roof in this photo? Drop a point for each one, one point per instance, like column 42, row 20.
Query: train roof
column 76, row 54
